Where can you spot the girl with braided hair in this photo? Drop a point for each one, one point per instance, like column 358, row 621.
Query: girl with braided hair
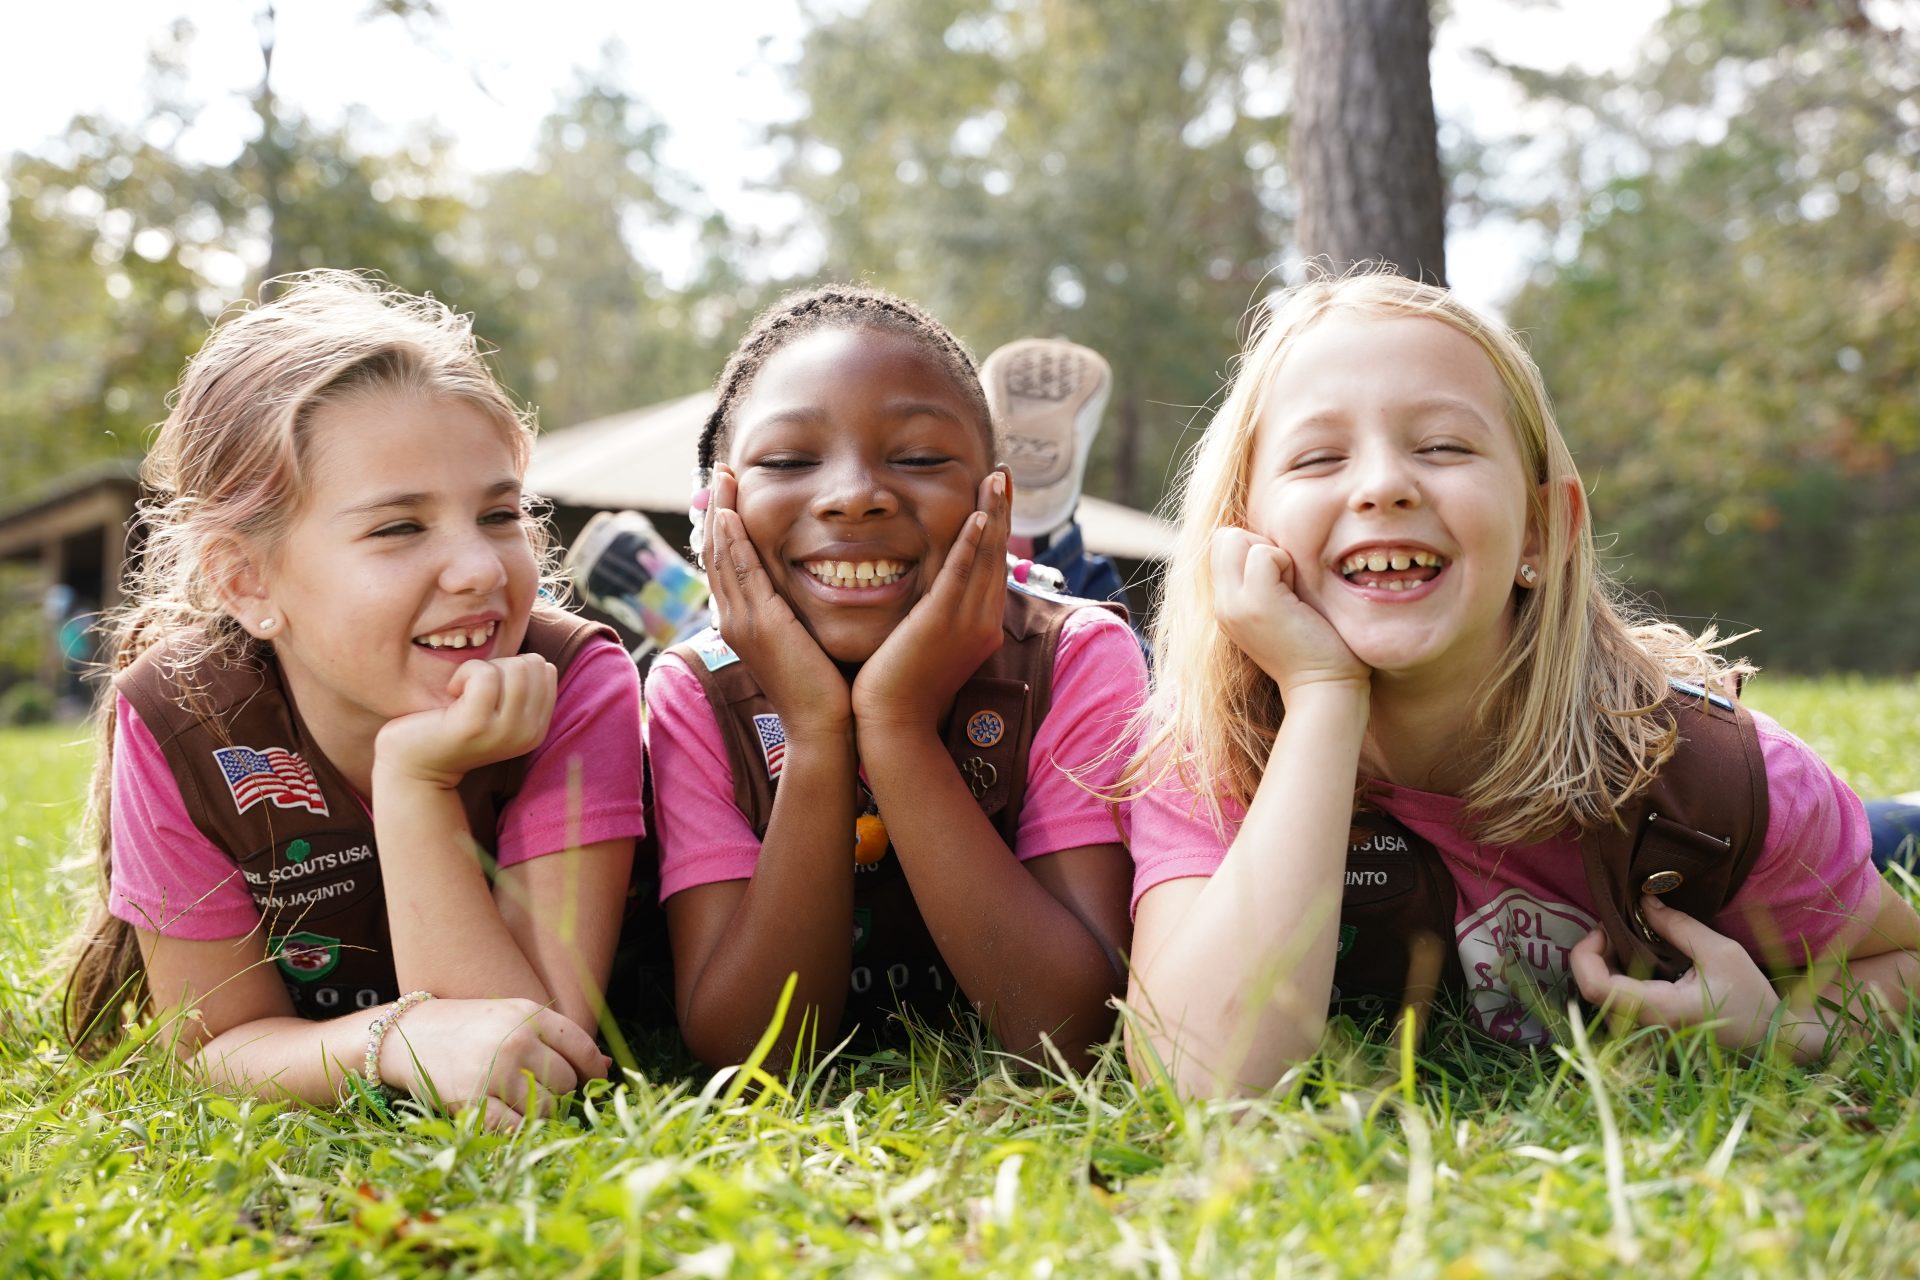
column 863, row 773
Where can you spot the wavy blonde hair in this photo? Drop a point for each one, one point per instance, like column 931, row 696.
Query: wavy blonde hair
column 1566, row 722
column 228, row 470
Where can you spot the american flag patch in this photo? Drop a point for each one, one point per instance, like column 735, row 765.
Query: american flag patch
column 274, row 774
column 773, row 742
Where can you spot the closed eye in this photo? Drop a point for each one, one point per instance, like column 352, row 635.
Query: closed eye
column 783, row 464
column 1446, row 447
column 1312, row 460
column 398, row 529
column 923, row 460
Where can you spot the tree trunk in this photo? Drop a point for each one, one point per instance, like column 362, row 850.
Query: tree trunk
column 1364, row 150
column 270, row 157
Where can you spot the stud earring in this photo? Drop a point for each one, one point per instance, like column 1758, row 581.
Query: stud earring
column 1528, row 574
column 268, row 624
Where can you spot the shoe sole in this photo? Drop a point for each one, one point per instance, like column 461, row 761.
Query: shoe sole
column 1043, row 389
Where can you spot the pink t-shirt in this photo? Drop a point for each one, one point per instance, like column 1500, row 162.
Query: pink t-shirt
column 1098, row 682
column 1520, row 910
column 169, row 878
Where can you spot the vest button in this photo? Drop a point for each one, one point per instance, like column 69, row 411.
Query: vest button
column 1662, row 882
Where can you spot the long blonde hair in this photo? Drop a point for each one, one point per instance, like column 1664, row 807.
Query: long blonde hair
column 227, row 469
column 1565, row 721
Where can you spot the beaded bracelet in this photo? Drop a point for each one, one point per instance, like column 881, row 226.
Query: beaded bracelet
column 377, row 1032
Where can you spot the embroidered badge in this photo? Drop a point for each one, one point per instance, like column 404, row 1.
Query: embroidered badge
column 714, row 652
column 297, row 850
column 305, row 957
column 773, row 742
column 985, row 727
column 275, row 774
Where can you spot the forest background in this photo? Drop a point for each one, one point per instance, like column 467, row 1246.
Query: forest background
column 1715, row 250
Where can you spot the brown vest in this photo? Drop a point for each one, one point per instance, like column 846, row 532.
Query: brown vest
column 1690, row 838
column 254, row 784
column 989, row 733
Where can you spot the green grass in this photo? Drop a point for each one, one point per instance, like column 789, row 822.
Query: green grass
column 1659, row 1151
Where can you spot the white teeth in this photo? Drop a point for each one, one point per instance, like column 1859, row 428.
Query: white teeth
column 459, row 638
column 848, row 573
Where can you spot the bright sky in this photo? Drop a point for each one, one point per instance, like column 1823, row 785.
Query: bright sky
column 489, row 72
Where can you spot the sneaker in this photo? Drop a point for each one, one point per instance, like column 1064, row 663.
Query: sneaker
column 625, row 569
column 1046, row 396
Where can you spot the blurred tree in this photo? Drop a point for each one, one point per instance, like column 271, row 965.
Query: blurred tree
column 1733, row 337
column 597, row 330
column 1106, row 171
column 118, row 250
column 1365, row 149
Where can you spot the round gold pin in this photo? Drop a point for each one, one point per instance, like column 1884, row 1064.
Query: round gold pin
column 1661, row 882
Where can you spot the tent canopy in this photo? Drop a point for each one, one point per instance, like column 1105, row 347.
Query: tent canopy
column 644, row 460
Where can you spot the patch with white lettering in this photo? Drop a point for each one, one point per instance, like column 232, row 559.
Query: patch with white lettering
column 1381, row 861
column 310, row 876
column 1515, row 952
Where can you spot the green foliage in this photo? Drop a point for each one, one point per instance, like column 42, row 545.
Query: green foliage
column 1107, row 172
column 27, row 702
column 118, row 250
column 1647, row 1151
column 1732, row 342
column 595, row 330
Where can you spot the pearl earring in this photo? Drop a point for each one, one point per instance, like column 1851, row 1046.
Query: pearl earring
column 268, row 624
column 1528, row 575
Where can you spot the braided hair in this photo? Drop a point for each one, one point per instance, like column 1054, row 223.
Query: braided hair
column 833, row 306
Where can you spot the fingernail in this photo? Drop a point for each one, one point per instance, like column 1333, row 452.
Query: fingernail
column 999, row 484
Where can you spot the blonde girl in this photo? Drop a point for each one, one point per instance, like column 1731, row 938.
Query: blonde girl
column 342, row 770
column 1385, row 578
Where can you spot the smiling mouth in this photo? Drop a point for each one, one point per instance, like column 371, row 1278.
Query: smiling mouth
column 458, row 637
column 1392, row 568
column 857, row 574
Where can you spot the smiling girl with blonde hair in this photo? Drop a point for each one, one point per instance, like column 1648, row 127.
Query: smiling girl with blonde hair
column 1384, row 586
column 342, row 770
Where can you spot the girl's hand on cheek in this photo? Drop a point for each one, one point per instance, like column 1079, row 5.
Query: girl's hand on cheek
column 1254, row 602
column 501, row 708
column 1724, row 986
column 806, row 689
column 912, row 679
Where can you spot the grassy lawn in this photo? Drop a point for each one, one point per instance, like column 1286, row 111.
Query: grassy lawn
column 1474, row 1160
